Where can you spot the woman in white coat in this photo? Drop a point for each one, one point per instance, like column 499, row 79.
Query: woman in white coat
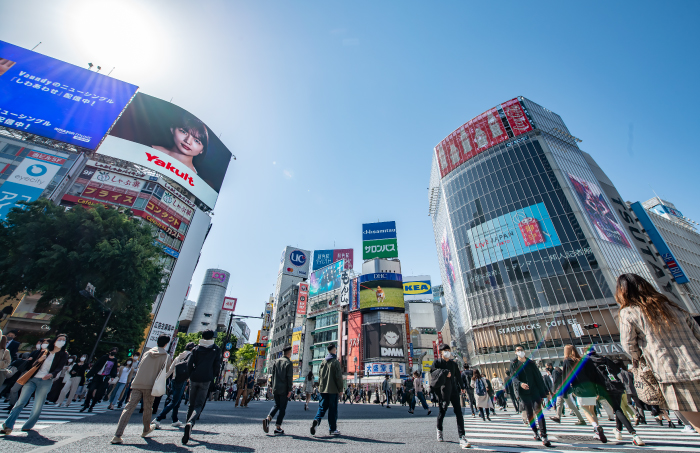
column 308, row 388
column 483, row 401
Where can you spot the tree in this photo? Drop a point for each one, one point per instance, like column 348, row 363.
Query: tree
column 245, row 357
column 219, row 340
column 49, row 250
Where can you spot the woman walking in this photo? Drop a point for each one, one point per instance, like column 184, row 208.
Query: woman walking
column 655, row 328
column 124, row 375
column 38, row 378
column 308, row 388
column 497, row 384
column 75, row 373
column 483, row 400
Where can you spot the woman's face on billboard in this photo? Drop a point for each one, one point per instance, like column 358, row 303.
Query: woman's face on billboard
column 187, row 143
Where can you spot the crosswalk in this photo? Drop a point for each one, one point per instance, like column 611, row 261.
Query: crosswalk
column 507, row 433
column 53, row 415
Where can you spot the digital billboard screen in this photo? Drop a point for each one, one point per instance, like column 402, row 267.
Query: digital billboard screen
column 382, row 291
column 168, row 139
column 598, row 211
column 383, row 340
column 323, row 258
column 57, row 100
column 326, row 279
column 512, row 234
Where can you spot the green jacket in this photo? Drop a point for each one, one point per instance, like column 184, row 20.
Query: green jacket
column 282, row 376
column 330, row 378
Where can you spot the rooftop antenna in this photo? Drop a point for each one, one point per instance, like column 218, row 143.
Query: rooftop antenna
column 171, row 100
column 36, row 45
column 112, row 70
column 90, row 65
column 99, row 68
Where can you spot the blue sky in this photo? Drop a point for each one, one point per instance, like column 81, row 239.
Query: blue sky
column 333, row 108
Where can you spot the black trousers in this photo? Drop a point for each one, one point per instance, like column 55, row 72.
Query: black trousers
column 533, row 409
column 620, row 418
column 281, row 406
column 99, row 385
column 443, row 404
column 472, row 402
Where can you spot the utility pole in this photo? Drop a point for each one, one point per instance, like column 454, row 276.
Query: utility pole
column 89, row 292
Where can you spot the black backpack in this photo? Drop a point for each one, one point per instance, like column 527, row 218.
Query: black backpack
column 608, row 372
column 182, row 370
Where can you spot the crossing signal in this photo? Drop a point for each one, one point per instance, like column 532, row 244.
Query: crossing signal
column 130, row 353
column 258, row 345
column 591, row 326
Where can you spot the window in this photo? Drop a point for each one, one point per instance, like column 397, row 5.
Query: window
column 140, row 203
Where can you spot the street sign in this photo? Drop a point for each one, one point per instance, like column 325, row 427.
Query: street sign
column 227, row 354
column 229, row 304
column 229, row 345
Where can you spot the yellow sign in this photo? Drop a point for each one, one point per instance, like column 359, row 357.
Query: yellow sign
column 427, row 364
column 416, row 287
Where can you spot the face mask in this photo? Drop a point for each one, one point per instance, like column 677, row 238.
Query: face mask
column 70, row 360
column 447, row 354
column 60, row 343
column 128, row 363
column 38, row 346
column 44, row 346
column 520, row 354
column 83, row 358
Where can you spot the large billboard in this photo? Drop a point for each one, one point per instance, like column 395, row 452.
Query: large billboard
column 417, row 288
column 326, row 279
column 295, row 262
column 296, row 343
column 379, row 240
column 383, row 291
column 168, row 139
column 57, row 100
column 492, row 127
column 512, row 234
column 379, row 230
column 598, row 211
column 383, row 340
column 323, row 258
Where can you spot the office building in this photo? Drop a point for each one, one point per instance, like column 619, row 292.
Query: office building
column 207, row 314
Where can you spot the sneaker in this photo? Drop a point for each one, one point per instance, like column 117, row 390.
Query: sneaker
column 537, row 436
column 580, row 423
column 429, row 411
column 546, row 441
column 280, row 431
column 176, row 424
column 688, row 429
column 186, row 435
column 266, row 425
column 410, row 412
column 334, row 433
column 555, row 419
column 618, row 434
column 5, row 430
column 116, row 440
column 439, row 436
column 156, row 422
column 598, row 434
column 150, row 430
column 314, row 424
column 638, row 440
column 464, row 443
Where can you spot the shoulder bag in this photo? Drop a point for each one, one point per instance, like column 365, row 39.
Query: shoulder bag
column 647, row 386
column 32, row 371
column 159, row 386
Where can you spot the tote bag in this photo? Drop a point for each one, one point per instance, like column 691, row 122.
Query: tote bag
column 646, row 385
column 159, row 385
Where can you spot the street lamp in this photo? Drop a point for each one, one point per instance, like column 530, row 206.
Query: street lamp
column 90, row 295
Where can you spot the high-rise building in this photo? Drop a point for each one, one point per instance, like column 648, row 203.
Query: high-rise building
column 529, row 245
column 211, row 298
column 425, row 316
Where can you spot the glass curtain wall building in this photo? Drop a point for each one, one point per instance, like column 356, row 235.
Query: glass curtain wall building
column 529, row 246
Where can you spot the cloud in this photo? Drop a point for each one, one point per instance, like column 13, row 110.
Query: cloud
column 288, row 173
column 274, row 162
column 351, row 42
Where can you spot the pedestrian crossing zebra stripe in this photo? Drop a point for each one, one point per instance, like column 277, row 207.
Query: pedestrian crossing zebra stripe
column 53, row 415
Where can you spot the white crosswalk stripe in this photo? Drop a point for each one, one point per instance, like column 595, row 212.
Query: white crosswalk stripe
column 52, row 415
column 507, row 433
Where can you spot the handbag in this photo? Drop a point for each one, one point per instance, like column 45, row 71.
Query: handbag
column 647, row 386
column 159, row 384
column 32, row 371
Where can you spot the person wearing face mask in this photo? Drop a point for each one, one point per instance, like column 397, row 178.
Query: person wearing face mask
column 124, row 375
column 446, row 382
column 48, row 364
column 532, row 390
column 60, row 381
column 22, row 365
column 74, row 374
column 103, row 370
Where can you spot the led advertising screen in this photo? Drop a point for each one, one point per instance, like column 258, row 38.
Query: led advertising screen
column 383, row 340
column 326, row 279
column 512, row 234
column 382, row 291
column 323, row 258
column 170, row 140
column 598, row 211
column 48, row 97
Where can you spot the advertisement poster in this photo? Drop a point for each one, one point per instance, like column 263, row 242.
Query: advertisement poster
column 383, row 291
column 598, row 211
column 326, row 279
column 170, row 140
column 447, row 260
column 57, row 100
column 382, row 248
column 303, row 298
column 295, row 262
column 383, row 340
column 512, row 234
column 323, row 258
column 28, row 180
column 296, row 343
column 417, row 290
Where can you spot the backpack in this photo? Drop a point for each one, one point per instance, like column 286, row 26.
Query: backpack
column 613, row 384
column 480, row 388
column 182, row 371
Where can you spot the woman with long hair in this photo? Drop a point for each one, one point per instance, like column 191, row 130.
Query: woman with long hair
column 483, row 400
column 308, row 388
column 190, row 140
column 654, row 327
column 49, row 363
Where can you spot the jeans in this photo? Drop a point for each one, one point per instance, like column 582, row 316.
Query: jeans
column 136, row 395
column 126, row 394
column 533, row 410
column 281, row 401
column 329, row 402
column 178, row 390
column 42, row 388
column 116, row 392
column 421, row 398
column 198, row 393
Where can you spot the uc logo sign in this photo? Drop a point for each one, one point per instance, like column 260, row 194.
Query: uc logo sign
column 298, row 258
column 36, row 170
column 416, row 287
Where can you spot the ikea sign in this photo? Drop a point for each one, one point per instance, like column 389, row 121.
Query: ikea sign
column 415, row 288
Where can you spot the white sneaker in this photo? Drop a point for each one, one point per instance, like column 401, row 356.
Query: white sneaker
column 618, row 434
column 638, row 441
column 464, row 443
column 176, row 424
column 439, row 436
column 157, row 423
column 688, row 429
column 150, row 430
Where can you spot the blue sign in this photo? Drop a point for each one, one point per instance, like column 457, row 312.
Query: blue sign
column 381, row 276
column 11, row 193
column 168, row 250
column 512, row 234
column 410, row 348
column 298, row 258
column 673, row 266
column 57, row 100
column 322, row 258
column 229, row 345
column 380, row 230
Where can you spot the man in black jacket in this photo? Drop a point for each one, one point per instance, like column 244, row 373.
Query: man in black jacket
column 104, row 370
column 12, row 344
column 467, row 389
column 532, row 389
column 449, row 392
column 203, row 366
column 282, row 382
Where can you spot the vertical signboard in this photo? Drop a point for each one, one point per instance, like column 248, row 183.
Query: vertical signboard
column 408, row 342
column 354, row 360
column 439, row 338
column 344, row 288
column 379, row 240
column 435, row 351
column 303, row 298
column 296, row 343
column 28, row 180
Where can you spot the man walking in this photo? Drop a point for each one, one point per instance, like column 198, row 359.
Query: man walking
column 330, row 383
column 204, row 365
column 282, row 382
column 532, row 390
column 445, row 381
column 467, row 388
column 180, row 368
column 105, row 369
column 242, row 381
column 386, row 389
column 155, row 360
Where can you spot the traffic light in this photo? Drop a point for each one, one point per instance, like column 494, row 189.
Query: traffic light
column 130, row 353
column 591, row 326
column 258, row 345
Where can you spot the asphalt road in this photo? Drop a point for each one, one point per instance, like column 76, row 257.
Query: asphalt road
column 364, row 428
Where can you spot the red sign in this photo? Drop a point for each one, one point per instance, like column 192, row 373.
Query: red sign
column 435, row 350
column 110, row 196
column 164, row 214
column 439, row 338
column 344, row 254
column 229, row 304
column 46, row 157
column 480, row 134
column 354, row 342
column 84, row 201
column 531, row 231
column 303, row 298
column 158, row 223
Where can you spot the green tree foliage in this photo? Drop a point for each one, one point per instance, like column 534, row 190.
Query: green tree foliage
column 219, row 340
column 245, row 357
column 55, row 252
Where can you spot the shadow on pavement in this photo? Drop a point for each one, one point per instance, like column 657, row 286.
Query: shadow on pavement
column 152, row 445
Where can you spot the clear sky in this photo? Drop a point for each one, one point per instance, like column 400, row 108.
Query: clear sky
column 333, row 108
